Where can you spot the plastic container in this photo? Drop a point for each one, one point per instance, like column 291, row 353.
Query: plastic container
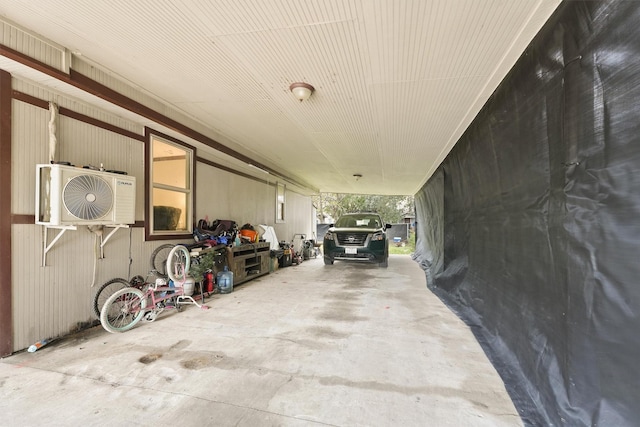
column 224, row 280
column 286, row 258
column 189, row 285
column 35, row 347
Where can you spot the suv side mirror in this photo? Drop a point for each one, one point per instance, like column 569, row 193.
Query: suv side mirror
column 387, row 226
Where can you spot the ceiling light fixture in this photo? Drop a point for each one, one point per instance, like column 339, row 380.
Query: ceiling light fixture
column 302, row 91
column 357, row 176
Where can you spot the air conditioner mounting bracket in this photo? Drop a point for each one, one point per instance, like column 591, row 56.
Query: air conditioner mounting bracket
column 47, row 246
column 105, row 239
column 61, row 230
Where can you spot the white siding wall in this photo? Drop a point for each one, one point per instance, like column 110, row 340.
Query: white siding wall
column 53, row 300
column 38, row 48
column 29, row 146
column 298, row 217
column 78, row 143
column 116, row 83
column 222, row 195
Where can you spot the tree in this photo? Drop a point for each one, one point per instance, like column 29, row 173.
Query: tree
column 391, row 208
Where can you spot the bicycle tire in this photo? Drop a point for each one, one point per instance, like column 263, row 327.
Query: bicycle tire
column 105, row 291
column 178, row 264
column 123, row 310
column 159, row 257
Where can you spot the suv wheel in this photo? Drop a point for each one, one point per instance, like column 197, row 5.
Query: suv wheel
column 385, row 261
column 328, row 260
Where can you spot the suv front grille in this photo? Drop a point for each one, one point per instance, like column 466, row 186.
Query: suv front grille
column 351, row 239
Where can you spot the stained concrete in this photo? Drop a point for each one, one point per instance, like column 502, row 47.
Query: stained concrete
column 342, row 345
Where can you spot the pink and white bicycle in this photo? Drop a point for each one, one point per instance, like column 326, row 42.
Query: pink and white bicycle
column 122, row 310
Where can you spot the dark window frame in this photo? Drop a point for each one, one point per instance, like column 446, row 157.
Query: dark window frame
column 150, row 233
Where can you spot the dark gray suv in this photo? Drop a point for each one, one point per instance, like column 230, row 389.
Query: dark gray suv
column 357, row 237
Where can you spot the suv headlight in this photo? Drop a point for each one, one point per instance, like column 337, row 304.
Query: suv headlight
column 377, row 236
column 328, row 236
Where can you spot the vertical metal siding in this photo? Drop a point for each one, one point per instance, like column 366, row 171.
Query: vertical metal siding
column 78, row 143
column 30, row 146
column 54, row 300
column 135, row 93
column 38, row 48
column 222, row 195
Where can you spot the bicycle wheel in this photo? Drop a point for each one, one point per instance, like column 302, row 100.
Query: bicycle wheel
column 123, row 310
column 178, row 264
column 105, row 291
column 159, row 259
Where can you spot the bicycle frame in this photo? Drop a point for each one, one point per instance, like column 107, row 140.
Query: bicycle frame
column 157, row 293
column 171, row 292
column 128, row 306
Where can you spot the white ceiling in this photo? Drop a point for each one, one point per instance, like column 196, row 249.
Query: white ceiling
column 397, row 81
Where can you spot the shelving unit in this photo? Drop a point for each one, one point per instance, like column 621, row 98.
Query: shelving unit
column 248, row 261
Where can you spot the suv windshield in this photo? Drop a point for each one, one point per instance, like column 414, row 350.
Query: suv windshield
column 359, row 221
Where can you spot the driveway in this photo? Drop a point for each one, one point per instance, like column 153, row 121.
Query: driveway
column 342, row 345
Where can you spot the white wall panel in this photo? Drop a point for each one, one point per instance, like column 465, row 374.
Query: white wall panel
column 221, row 195
column 130, row 90
column 38, row 48
column 298, row 217
column 30, row 147
column 53, row 300
column 134, row 92
column 78, row 143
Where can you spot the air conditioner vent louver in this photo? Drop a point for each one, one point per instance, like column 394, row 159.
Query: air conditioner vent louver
column 87, row 197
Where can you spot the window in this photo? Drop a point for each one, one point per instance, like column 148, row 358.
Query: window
column 170, row 177
column 280, row 191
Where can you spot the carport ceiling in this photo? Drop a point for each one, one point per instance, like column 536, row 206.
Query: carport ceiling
column 396, row 82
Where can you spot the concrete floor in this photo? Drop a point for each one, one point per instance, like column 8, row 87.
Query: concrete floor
column 342, row 345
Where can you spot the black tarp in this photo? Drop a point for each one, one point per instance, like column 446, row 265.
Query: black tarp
column 530, row 229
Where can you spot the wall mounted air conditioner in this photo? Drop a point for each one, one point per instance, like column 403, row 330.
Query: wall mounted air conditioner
column 66, row 195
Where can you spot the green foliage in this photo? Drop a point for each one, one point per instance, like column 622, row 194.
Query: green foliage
column 390, row 208
column 407, row 249
column 206, row 262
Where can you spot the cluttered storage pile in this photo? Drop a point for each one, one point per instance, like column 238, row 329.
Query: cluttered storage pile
column 226, row 232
